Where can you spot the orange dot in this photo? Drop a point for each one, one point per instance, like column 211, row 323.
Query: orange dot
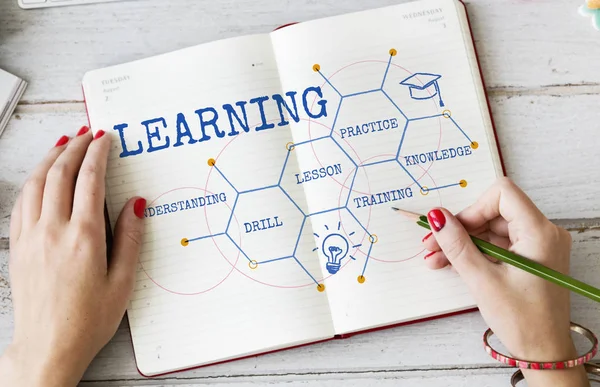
column 185, row 242
column 373, row 238
column 463, row 183
column 393, row 52
column 290, row 146
column 474, row 145
column 321, row 287
column 253, row 264
column 361, row 279
column 424, row 191
column 447, row 113
column 316, row 67
column 211, row 162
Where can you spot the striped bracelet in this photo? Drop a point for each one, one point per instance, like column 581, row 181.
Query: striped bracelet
column 523, row 364
column 590, row 368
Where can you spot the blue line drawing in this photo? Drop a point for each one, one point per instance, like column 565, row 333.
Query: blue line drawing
column 335, row 246
column 420, row 85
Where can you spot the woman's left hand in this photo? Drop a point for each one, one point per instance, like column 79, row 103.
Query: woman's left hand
column 68, row 296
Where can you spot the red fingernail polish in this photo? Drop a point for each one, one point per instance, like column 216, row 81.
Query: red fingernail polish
column 427, row 237
column 62, row 141
column 437, row 220
column 138, row 208
column 99, row 134
column 429, row 255
column 84, row 129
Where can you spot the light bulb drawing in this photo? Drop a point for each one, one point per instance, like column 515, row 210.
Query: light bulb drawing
column 335, row 248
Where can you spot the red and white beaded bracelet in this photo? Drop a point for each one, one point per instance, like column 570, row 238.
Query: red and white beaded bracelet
column 544, row 365
column 590, row 368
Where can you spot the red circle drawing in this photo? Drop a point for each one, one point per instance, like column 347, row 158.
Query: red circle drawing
column 220, row 281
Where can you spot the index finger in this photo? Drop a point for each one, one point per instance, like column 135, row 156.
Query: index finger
column 88, row 202
column 503, row 199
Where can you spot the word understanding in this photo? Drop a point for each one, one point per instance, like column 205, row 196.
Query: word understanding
column 183, row 205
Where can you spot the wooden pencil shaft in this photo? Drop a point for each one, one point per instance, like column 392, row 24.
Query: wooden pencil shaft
column 530, row 266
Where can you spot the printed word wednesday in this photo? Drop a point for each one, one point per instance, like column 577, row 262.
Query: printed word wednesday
column 208, row 123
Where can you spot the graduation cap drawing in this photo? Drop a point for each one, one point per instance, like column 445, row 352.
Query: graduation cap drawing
column 424, row 86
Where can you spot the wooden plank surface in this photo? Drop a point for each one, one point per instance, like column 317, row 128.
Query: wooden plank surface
column 445, row 344
column 523, row 45
column 450, row 378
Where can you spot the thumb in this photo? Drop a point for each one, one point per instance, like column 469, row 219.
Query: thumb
column 127, row 244
column 457, row 245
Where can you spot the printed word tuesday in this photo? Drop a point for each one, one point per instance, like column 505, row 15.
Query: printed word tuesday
column 208, row 122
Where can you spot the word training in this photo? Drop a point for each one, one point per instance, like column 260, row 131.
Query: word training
column 263, row 224
column 443, row 154
column 383, row 197
column 320, row 173
column 183, row 205
column 159, row 135
column 369, row 127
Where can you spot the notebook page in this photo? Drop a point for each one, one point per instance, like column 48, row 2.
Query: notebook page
column 215, row 280
column 407, row 126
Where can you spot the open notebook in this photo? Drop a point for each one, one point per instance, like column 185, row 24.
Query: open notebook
column 270, row 163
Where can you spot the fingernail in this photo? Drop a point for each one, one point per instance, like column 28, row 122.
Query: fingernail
column 427, row 237
column 437, row 220
column 62, row 141
column 99, row 134
column 138, row 208
column 429, row 255
column 84, row 129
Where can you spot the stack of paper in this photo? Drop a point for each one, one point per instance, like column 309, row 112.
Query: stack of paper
column 11, row 90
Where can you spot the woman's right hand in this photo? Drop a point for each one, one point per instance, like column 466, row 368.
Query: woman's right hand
column 530, row 316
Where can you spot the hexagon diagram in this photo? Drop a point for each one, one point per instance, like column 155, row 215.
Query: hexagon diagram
column 338, row 166
column 353, row 124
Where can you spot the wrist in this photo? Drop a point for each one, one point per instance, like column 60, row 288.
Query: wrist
column 22, row 368
column 555, row 349
column 571, row 377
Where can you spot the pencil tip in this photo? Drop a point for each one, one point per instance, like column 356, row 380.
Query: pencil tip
column 408, row 214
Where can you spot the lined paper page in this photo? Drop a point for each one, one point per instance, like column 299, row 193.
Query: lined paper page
column 407, row 126
column 227, row 268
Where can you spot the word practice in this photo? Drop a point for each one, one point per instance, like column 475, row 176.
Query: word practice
column 369, row 127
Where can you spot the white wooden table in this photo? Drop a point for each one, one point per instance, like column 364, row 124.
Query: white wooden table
column 541, row 61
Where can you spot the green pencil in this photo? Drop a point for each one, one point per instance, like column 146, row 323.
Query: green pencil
column 520, row 262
